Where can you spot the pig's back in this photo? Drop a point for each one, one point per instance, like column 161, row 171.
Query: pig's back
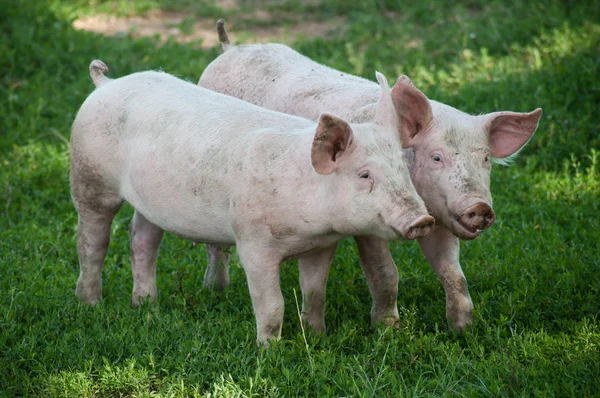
column 157, row 108
column 276, row 77
column 156, row 97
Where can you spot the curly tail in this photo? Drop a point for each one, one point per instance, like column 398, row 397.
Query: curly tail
column 97, row 71
column 223, row 38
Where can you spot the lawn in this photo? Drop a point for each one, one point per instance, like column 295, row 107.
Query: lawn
column 534, row 276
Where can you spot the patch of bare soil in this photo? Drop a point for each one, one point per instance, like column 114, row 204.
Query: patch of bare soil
column 167, row 25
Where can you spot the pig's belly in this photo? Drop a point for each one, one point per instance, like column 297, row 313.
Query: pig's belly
column 181, row 212
column 298, row 247
column 199, row 227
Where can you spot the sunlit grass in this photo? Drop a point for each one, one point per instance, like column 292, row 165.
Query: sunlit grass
column 574, row 180
column 545, row 50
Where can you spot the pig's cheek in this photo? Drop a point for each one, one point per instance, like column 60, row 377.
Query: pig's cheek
column 421, row 174
column 364, row 186
column 432, row 191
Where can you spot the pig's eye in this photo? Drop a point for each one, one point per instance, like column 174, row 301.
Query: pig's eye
column 437, row 158
column 487, row 159
column 364, row 174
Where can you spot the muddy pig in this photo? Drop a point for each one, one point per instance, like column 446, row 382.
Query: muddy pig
column 450, row 156
column 212, row 168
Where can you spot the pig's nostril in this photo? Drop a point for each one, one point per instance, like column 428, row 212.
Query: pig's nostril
column 490, row 218
column 478, row 217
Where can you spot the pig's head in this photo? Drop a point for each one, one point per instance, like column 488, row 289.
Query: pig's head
column 370, row 183
column 450, row 155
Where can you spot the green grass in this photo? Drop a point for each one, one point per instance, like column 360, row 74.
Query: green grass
column 534, row 277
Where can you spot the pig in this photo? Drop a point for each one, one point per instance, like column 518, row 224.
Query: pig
column 212, row 168
column 450, row 154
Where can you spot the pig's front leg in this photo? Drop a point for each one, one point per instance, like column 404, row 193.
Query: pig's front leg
column 144, row 240
column 382, row 278
column 314, row 270
column 442, row 250
column 217, row 272
column 261, row 266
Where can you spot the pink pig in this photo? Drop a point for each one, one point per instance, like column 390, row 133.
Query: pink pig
column 450, row 156
column 213, row 168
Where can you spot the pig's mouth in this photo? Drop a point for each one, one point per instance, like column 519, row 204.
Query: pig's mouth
column 469, row 224
column 465, row 232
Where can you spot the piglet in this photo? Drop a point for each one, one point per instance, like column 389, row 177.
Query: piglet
column 212, row 168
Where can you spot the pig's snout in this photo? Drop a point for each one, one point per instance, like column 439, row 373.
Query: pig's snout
column 419, row 228
column 478, row 217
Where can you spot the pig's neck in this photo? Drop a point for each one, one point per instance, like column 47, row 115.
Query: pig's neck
column 364, row 114
column 366, row 107
column 306, row 197
column 328, row 198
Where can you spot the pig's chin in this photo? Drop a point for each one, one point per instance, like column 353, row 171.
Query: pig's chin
column 388, row 233
column 464, row 233
column 449, row 222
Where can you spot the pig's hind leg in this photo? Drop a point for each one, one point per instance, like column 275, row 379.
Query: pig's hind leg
column 314, row 269
column 144, row 238
column 217, row 272
column 96, row 208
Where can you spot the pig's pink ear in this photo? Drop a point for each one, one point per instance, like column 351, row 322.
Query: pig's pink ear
column 333, row 137
column 412, row 107
column 510, row 131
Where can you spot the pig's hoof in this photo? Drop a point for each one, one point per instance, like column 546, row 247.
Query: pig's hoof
column 318, row 328
column 138, row 300
column 316, row 323
column 90, row 298
column 392, row 322
column 386, row 315
column 263, row 343
column 389, row 320
column 88, row 293
column 460, row 321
